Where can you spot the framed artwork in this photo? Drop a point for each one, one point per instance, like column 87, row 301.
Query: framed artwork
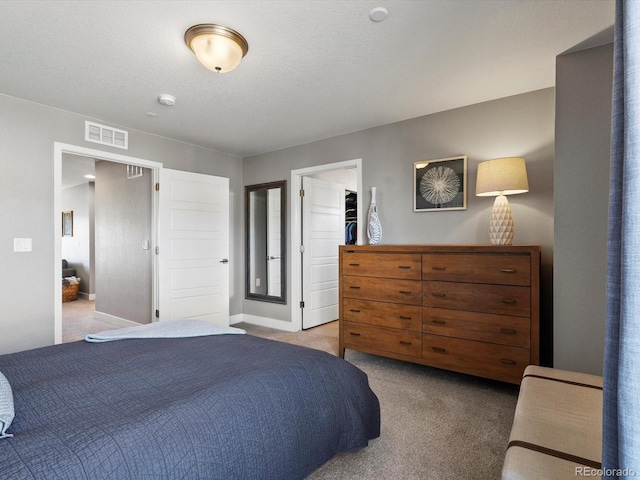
column 440, row 184
column 67, row 224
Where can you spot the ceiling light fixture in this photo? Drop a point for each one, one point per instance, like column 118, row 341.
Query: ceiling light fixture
column 218, row 48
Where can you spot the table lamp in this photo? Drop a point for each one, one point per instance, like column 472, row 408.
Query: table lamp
column 498, row 178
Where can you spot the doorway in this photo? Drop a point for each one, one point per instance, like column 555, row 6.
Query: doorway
column 61, row 149
column 297, row 222
column 108, row 244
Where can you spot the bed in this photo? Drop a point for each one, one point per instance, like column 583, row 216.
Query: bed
column 206, row 407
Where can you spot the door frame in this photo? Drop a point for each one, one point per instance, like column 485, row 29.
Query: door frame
column 58, row 150
column 296, row 227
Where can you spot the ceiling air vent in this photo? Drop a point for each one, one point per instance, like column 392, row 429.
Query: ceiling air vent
column 96, row 133
column 133, row 171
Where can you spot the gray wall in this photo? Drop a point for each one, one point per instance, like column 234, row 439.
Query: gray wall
column 521, row 125
column 78, row 249
column 583, row 136
column 124, row 271
column 27, row 134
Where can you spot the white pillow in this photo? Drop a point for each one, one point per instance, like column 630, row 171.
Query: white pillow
column 6, row 407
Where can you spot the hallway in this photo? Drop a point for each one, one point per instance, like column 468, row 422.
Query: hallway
column 78, row 321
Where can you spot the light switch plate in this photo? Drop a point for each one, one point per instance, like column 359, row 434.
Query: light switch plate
column 21, row 244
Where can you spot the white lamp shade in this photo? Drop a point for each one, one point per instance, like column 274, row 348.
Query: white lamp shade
column 218, row 48
column 502, row 176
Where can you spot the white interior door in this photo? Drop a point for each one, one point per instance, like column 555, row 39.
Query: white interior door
column 322, row 233
column 193, row 224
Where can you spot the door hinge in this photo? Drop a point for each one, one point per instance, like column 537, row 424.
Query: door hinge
column 302, row 192
column 157, row 186
column 301, row 248
column 157, row 250
column 301, row 304
column 157, row 313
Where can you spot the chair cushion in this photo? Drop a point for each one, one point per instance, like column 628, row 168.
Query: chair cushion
column 68, row 272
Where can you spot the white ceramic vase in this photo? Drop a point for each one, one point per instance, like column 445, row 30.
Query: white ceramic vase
column 374, row 228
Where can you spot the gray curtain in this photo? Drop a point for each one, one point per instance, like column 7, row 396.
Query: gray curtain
column 621, row 416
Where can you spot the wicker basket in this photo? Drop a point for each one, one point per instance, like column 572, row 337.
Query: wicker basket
column 70, row 292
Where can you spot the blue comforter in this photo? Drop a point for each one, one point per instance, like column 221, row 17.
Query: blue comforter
column 219, row 407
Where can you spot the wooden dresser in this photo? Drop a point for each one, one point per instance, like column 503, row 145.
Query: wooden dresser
column 468, row 308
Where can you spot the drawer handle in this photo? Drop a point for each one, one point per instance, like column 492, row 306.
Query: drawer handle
column 404, row 342
column 439, row 268
column 405, row 267
column 438, row 349
column 438, row 322
column 354, row 311
column 508, row 300
column 508, row 331
column 402, row 317
column 354, row 264
column 354, row 287
column 354, row 334
column 405, row 292
column 506, row 361
column 508, row 270
column 439, row 295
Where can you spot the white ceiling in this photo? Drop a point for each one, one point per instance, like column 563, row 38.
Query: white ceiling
column 74, row 169
column 315, row 69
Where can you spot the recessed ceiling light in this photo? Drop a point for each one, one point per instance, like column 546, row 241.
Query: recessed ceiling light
column 167, row 100
column 378, row 14
column 90, row 177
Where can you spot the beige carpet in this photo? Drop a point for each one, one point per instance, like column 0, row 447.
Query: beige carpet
column 78, row 321
column 435, row 424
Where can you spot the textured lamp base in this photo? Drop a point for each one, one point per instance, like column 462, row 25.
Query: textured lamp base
column 501, row 225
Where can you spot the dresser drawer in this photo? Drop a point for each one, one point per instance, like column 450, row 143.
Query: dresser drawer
column 382, row 289
column 359, row 336
column 476, row 358
column 477, row 268
column 393, row 315
column 484, row 327
column 498, row 299
column 391, row 265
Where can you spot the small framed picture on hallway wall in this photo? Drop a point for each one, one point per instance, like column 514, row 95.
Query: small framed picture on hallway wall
column 67, row 224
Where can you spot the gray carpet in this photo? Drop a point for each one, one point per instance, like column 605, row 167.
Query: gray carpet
column 435, row 424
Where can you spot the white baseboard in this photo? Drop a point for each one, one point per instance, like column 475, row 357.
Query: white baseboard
column 262, row 322
column 87, row 296
column 113, row 320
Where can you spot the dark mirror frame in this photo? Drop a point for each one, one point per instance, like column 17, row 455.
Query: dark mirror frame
column 282, row 185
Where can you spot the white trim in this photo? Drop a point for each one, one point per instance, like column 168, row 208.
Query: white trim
column 296, row 233
column 261, row 322
column 87, row 296
column 58, row 149
column 113, row 320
